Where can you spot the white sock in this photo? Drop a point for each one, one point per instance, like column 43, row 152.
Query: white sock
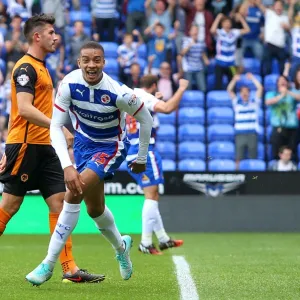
column 66, row 223
column 106, row 224
column 148, row 221
column 159, row 229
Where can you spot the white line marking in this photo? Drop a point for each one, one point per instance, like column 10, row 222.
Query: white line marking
column 188, row 290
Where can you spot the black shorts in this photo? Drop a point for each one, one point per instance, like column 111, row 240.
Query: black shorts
column 32, row 167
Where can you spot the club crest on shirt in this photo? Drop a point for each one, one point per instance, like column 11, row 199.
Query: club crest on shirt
column 105, row 99
column 132, row 100
column 23, row 79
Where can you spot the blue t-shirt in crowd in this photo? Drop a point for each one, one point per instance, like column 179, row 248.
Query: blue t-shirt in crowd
column 158, row 46
column 284, row 113
column 136, row 5
column 255, row 20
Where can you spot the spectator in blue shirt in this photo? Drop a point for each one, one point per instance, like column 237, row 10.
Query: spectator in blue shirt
column 283, row 113
column 254, row 18
column 226, row 38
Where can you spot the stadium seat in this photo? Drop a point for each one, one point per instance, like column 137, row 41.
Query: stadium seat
column 221, row 150
column 246, row 82
column 3, row 31
column 275, row 67
column 211, row 66
column 115, row 77
column 191, row 133
column 3, row 66
column 225, row 165
column 211, row 82
column 191, row 150
column 252, row 65
column 167, row 150
column 191, row 115
column 252, row 165
column 269, row 133
column 143, row 64
column 192, row 98
column 167, row 118
column 268, row 117
column 271, row 163
column 110, row 49
column 142, row 51
column 218, row 98
column 269, row 152
column 191, row 165
column 84, row 16
column 270, row 83
column 220, row 115
column 111, row 66
column 261, row 134
column 220, row 133
column 85, row 3
column 166, row 133
column 168, row 165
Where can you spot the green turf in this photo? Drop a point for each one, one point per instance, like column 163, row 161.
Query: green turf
column 224, row 266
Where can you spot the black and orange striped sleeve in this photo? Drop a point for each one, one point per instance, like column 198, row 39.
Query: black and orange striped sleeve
column 25, row 78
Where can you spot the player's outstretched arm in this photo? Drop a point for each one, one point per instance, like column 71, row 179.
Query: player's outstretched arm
column 173, row 103
column 131, row 104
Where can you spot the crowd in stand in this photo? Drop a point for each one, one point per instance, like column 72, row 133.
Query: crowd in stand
column 206, row 42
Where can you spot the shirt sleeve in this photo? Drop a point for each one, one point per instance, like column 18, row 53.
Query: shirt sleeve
column 25, row 78
column 59, row 119
column 149, row 100
column 236, row 32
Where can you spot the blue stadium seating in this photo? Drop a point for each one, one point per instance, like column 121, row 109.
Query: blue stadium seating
column 191, row 165
column 260, row 151
column 111, row 66
column 261, row 134
column 269, row 133
column 218, row 99
column 220, row 115
column 166, row 132
column 221, row 150
column 270, row 82
column 110, row 49
column 84, row 16
column 192, row 98
column 211, row 66
column 299, row 166
column 167, row 150
column 191, row 115
column 168, row 165
column 3, row 66
column 167, row 118
column 211, row 82
column 275, row 67
column 191, row 150
column 142, row 51
column 115, row 77
column 267, row 117
column 269, row 152
column 191, row 133
column 252, row 65
column 225, row 165
column 3, row 31
column 252, row 165
column 220, row 133
column 246, row 82
column 261, row 117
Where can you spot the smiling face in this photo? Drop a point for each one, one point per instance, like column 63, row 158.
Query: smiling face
column 91, row 62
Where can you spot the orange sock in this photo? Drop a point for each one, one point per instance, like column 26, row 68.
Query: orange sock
column 4, row 219
column 66, row 257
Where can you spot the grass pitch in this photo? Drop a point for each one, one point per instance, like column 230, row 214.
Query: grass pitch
column 224, row 266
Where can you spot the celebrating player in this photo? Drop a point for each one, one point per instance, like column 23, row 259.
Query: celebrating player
column 98, row 105
column 149, row 180
column 30, row 161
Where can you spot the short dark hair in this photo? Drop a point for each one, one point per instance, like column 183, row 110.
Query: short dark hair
column 160, row 25
column 282, row 148
column 34, row 22
column 244, row 87
column 148, row 80
column 92, row 45
column 225, row 19
column 134, row 64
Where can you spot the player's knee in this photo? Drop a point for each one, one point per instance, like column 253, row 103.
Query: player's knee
column 11, row 205
column 95, row 210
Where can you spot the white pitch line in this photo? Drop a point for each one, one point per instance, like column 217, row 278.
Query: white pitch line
column 188, row 290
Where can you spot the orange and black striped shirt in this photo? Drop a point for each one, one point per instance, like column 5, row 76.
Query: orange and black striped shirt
column 30, row 75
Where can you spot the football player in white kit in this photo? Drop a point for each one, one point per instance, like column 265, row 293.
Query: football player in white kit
column 98, row 105
column 153, row 176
